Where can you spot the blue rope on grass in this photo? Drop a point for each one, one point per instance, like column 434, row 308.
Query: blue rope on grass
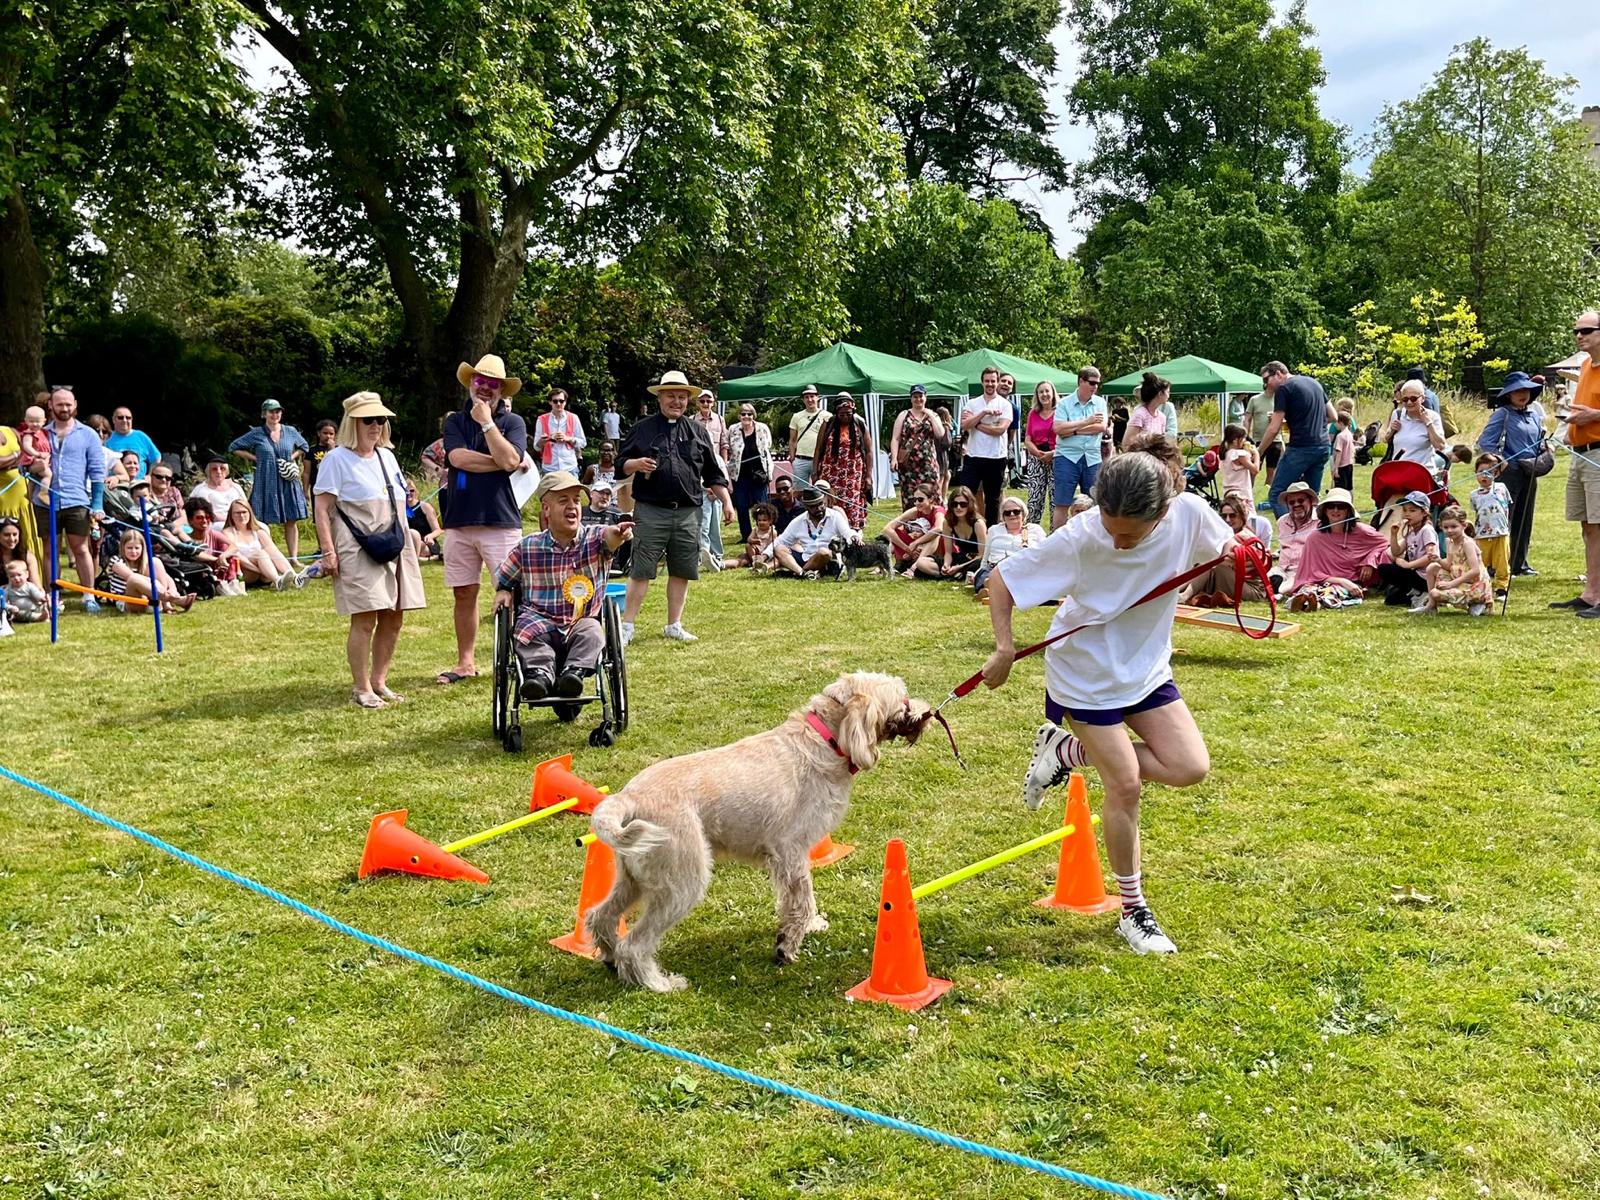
column 864, row 1115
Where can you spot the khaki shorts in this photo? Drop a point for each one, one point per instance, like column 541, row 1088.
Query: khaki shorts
column 1583, row 487
column 670, row 533
column 470, row 550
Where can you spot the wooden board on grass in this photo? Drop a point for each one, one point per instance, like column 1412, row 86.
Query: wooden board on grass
column 1223, row 618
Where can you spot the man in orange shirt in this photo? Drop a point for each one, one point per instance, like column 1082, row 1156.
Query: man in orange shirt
column 1583, row 479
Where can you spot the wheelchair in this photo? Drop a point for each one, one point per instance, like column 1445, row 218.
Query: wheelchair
column 609, row 683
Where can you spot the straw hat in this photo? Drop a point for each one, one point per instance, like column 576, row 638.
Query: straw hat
column 365, row 404
column 490, row 366
column 672, row 380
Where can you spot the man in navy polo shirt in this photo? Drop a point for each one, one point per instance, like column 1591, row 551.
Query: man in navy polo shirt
column 1299, row 403
column 484, row 442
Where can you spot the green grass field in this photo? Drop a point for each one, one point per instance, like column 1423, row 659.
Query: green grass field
column 163, row 1034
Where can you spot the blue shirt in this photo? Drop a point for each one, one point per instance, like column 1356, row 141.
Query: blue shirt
column 140, row 443
column 1085, row 446
column 1512, row 434
column 77, row 463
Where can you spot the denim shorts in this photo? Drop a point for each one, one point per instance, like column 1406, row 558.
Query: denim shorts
column 1072, row 475
column 1164, row 695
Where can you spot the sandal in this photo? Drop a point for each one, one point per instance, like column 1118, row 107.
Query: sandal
column 452, row 676
column 389, row 697
column 366, row 700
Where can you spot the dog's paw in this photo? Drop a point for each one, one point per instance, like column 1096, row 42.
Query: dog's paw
column 665, row 982
column 819, row 924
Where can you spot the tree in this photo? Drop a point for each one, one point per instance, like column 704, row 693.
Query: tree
column 1203, row 93
column 1482, row 187
column 443, row 137
column 977, row 113
column 946, row 274
column 1437, row 335
column 1230, row 285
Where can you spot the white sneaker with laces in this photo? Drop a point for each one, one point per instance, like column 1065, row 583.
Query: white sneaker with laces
column 1139, row 929
column 1044, row 768
column 678, row 633
column 627, row 631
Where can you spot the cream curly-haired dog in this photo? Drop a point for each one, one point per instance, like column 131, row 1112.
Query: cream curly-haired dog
column 766, row 799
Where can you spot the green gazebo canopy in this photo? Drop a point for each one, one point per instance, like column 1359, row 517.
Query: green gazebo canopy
column 843, row 367
column 970, row 366
column 1191, row 375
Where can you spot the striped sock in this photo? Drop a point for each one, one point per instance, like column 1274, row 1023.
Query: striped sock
column 1132, row 889
column 1070, row 752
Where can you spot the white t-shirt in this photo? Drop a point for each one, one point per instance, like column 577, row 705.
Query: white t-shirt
column 1002, row 544
column 1125, row 653
column 611, row 421
column 1411, row 440
column 1262, row 528
column 986, row 445
column 348, row 476
column 804, row 539
column 220, row 499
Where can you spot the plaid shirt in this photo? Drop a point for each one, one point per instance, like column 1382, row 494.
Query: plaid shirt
column 539, row 567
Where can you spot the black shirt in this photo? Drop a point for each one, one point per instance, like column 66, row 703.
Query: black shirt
column 686, row 462
column 481, row 497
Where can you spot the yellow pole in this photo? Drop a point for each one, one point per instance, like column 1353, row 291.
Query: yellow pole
column 472, row 839
column 993, row 861
column 586, row 839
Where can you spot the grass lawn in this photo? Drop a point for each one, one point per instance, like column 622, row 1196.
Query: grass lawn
column 163, row 1034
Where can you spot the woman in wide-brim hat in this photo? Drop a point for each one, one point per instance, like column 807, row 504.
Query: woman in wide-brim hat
column 360, row 483
column 1516, row 433
column 1339, row 560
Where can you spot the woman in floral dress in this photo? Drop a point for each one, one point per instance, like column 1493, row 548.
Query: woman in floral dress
column 843, row 454
column 914, row 448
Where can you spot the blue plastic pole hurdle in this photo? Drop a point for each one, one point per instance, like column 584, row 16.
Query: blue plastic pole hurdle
column 150, row 564
column 54, row 567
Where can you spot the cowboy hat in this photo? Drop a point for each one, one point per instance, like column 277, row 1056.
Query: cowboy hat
column 671, row 381
column 365, row 404
column 490, row 366
column 558, row 481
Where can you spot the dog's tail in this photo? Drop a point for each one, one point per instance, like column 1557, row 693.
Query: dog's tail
column 614, row 824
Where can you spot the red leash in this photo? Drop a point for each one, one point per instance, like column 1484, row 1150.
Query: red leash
column 1246, row 556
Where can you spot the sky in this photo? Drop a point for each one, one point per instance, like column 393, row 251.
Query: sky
column 1376, row 52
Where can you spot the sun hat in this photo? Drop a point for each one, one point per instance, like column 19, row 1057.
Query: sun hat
column 1420, row 499
column 365, row 404
column 559, row 481
column 1299, row 488
column 1517, row 381
column 843, row 396
column 270, row 405
column 704, row 392
column 490, row 366
column 1335, row 496
column 810, row 389
column 672, row 380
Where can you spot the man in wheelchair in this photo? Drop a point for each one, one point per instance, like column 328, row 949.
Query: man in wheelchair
column 554, row 653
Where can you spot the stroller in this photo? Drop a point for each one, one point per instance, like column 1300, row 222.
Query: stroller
column 1369, row 439
column 191, row 577
column 1391, row 481
column 1200, row 477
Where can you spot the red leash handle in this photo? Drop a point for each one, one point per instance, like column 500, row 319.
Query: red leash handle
column 1247, row 557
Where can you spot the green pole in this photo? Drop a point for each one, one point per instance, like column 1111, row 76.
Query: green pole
column 993, row 861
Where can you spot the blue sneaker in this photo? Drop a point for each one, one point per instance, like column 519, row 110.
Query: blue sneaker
column 89, row 605
column 1264, row 506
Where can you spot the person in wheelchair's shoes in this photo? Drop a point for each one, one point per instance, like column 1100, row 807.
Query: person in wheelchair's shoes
column 554, row 653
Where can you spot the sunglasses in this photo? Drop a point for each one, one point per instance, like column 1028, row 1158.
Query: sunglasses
column 958, row 504
column 124, row 417
column 1094, row 383
column 483, row 381
column 1011, row 512
column 1585, row 330
column 373, row 420
column 59, row 387
column 163, row 478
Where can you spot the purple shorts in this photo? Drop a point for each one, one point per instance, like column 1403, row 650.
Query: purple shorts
column 1166, row 694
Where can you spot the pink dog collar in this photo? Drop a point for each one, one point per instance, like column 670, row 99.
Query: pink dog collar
column 822, row 731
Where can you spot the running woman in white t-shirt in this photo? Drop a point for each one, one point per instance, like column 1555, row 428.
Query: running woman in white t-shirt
column 1115, row 674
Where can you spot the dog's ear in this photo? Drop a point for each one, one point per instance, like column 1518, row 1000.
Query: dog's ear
column 866, row 713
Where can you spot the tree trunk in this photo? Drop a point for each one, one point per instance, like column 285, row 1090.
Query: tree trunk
column 21, row 310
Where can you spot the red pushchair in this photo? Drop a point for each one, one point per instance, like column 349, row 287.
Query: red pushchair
column 1393, row 481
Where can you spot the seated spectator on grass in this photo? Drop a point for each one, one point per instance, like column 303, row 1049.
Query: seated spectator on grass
column 1080, row 504
column 763, row 536
column 1339, row 559
column 785, row 502
column 602, row 507
column 1413, row 547
column 131, row 465
column 1297, row 524
column 166, row 502
column 605, row 470
column 213, row 548
column 128, row 575
column 1459, row 581
column 116, row 473
column 1215, row 588
column 434, row 467
column 14, row 549
column 24, row 599
column 915, row 532
column 961, row 542
column 802, row 549
column 217, row 489
column 1016, row 532
column 423, row 522
column 259, row 557
column 554, row 652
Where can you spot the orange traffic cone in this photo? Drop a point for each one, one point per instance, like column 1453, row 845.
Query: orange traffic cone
column 1079, row 885
column 827, row 852
column 553, row 782
column 899, row 973
column 393, row 847
column 599, row 874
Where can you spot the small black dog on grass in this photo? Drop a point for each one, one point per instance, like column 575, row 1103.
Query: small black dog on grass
column 862, row 556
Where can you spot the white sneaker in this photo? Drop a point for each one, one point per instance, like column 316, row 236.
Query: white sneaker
column 282, row 582
column 709, row 561
column 1044, row 768
column 678, row 633
column 627, row 631
column 1139, row 929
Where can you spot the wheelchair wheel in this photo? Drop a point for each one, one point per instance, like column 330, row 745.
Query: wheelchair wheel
column 502, row 671
column 614, row 672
